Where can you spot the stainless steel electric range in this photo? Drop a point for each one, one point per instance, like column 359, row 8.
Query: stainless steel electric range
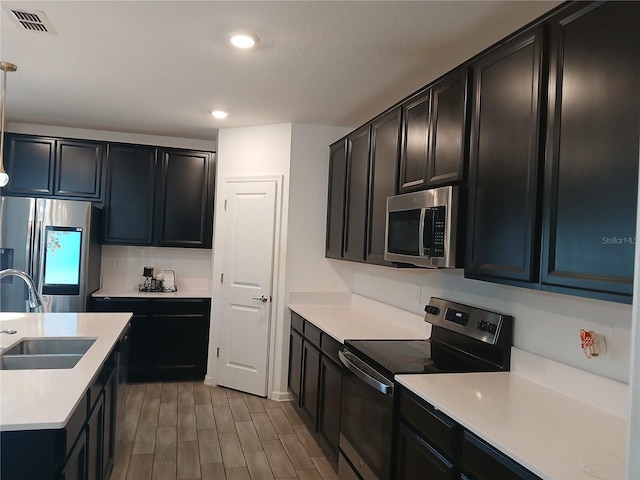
column 463, row 339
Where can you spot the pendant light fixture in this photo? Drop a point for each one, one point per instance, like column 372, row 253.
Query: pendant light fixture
column 5, row 67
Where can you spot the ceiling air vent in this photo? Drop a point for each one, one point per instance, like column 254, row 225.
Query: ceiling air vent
column 31, row 20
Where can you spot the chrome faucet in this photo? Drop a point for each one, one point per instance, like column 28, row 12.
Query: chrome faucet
column 34, row 299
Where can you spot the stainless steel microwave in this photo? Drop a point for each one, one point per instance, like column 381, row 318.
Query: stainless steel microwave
column 422, row 228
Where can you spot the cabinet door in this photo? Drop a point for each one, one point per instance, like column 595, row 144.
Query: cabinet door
column 415, row 143
column 418, row 460
column 109, row 431
column 30, row 163
column 130, row 185
column 177, row 338
column 592, row 149
column 310, row 381
column 385, row 135
column 295, row 364
column 79, row 166
column 95, row 437
column 448, row 118
column 330, row 391
column 335, row 205
column 502, row 236
column 75, row 468
column 184, row 209
column 481, row 461
column 356, row 196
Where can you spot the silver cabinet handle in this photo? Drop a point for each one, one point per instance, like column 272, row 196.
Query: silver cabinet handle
column 263, row 299
column 348, row 359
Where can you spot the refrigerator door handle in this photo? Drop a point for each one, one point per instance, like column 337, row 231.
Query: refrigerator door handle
column 29, row 249
column 36, row 263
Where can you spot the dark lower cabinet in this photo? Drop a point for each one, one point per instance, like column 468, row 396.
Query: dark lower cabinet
column 431, row 445
column 75, row 467
column 315, row 383
column 310, row 382
column 417, row 459
column 169, row 338
column 592, row 152
column 481, row 461
column 329, row 411
column 95, row 440
column 84, row 449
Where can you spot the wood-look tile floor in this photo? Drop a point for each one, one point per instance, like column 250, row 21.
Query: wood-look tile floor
column 191, row 430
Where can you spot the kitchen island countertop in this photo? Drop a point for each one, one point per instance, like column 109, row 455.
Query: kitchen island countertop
column 46, row 398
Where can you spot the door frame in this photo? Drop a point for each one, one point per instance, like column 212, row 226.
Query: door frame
column 276, row 277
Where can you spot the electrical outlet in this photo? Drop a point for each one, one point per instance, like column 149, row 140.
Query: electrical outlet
column 116, row 264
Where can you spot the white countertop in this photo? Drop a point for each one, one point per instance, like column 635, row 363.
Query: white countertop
column 134, row 293
column 551, row 434
column 45, row 399
column 363, row 319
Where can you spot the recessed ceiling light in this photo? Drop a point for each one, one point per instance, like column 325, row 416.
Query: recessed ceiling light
column 243, row 40
column 219, row 114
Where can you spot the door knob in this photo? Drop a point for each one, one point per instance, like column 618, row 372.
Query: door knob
column 263, row 299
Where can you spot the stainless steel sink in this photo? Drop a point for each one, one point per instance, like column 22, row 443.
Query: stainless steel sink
column 51, row 346
column 39, row 362
column 45, row 353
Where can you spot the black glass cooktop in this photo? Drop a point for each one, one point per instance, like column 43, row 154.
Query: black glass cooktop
column 394, row 357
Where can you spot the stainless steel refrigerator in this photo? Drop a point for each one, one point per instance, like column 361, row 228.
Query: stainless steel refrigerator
column 57, row 243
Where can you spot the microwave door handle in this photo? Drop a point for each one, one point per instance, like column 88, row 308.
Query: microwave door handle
column 421, row 232
column 384, row 388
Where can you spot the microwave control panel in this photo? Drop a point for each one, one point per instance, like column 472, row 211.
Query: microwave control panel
column 434, row 231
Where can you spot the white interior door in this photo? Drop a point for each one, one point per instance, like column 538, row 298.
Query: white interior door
column 247, row 272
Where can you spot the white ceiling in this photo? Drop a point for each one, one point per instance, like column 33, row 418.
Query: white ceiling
column 159, row 67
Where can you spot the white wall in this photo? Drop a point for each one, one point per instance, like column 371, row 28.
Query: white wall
column 251, row 151
column 546, row 324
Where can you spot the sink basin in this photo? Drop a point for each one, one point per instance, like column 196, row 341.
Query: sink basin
column 51, row 346
column 45, row 353
column 39, row 362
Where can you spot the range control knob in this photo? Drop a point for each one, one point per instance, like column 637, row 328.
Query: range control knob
column 432, row 310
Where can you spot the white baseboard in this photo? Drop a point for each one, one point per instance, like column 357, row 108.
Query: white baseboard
column 280, row 396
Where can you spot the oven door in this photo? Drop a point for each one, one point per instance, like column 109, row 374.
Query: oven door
column 366, row 421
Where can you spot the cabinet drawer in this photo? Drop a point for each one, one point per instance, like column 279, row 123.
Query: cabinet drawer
column 188, row 306
column 297, row 322
column 330, row 347
column 483, row 462
column 109, row 304
column 312, row 333
column 438, row 429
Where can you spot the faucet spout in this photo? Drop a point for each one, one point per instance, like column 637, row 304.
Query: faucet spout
column 34, row 299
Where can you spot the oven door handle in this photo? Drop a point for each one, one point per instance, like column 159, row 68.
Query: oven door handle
column 382, row 387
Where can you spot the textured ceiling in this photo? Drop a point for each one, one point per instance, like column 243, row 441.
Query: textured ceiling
column 159, row 67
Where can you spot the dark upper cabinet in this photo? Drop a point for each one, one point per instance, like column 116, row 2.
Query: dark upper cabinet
column 592, row 148
column 434, row 134
column 385, row 152
column 161, row 197
column 356, row 194
column 447, row 149
column 130, row 193
column 415, row 143
column 184, row 211
column 502, row 237
column 49, row 167
column 335, row 199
